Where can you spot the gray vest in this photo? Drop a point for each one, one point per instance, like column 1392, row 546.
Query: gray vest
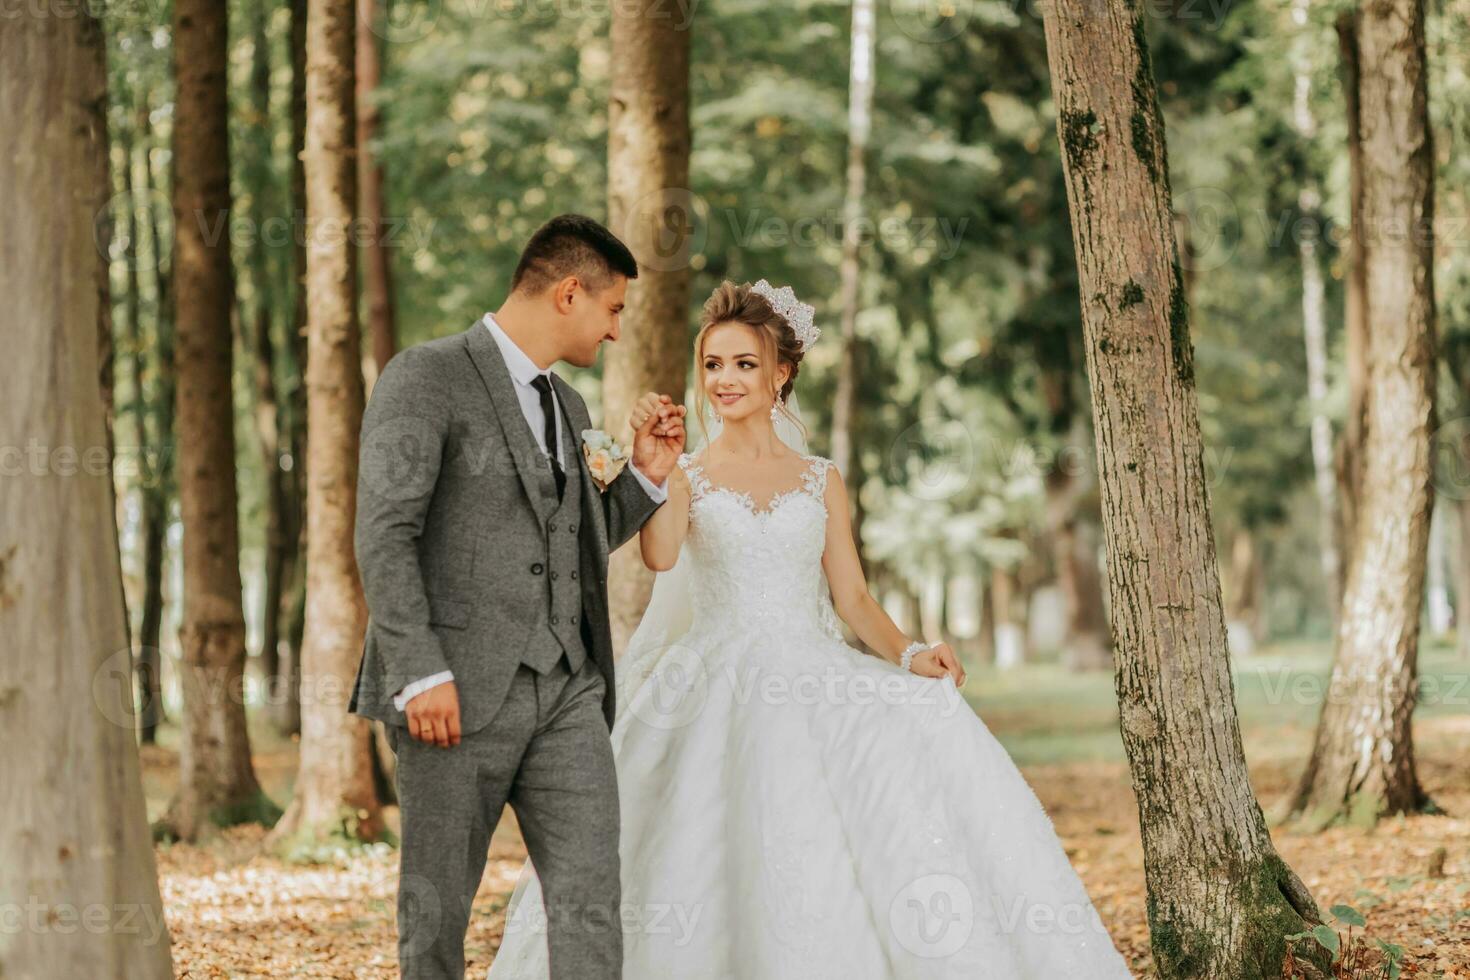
column 560, row 625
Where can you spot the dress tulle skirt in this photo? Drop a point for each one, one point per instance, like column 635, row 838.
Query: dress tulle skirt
column 795, row 810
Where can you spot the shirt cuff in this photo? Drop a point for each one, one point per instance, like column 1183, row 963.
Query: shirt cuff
column 659, row 492
column 411, row 691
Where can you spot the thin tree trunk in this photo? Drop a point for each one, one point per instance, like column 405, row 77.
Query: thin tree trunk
column 159, row 489
column 293, row 518
column 1243, row 593
column 335, row 793
column 1314, row 336
column 859, row 129
column 262, row 349
column 76, row 832
column 1437, row 586
column 1362, row 764
column 1085, row 643
column 152, row 522
column 217, row 780
column 1356, row 419
column 1462, row 579
column 648, row 207
column 1009, row 634
column 1220, row 900
column 377, row 270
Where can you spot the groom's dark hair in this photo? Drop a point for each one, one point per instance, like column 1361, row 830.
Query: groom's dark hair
column 572, row 245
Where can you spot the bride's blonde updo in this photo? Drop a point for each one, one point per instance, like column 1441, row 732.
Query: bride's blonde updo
column 730, row 303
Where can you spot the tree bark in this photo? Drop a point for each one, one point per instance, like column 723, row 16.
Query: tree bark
column 1243, row 591
column 1314, row 337
column 377, row 270
column 1356, row 419
column 1010, row 635
column 267, row 415
column 293, row 525
column 1362, row 764
column 859, row 129
column 152, row 522
column 335, row 794
column 649, row 207
column 1462, row 579
column 76, row 834
column 1072, row 534
column 1220, row 900
column 217, row 780
column 159, row 490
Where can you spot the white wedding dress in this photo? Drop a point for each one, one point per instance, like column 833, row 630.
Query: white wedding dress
column 793, row 809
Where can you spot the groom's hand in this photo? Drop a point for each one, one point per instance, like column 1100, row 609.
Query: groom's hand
column 433, row 716
column 658, row 435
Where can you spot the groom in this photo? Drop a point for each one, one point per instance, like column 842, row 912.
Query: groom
column 482, row 542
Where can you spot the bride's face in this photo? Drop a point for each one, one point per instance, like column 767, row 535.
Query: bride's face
column 737, row 380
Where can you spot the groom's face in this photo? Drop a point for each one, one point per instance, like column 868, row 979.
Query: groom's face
column 592, row 317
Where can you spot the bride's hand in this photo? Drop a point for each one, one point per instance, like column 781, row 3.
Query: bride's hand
column 658, row 435
column 938, row 661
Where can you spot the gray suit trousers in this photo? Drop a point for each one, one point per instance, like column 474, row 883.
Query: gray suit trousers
column 546, row 753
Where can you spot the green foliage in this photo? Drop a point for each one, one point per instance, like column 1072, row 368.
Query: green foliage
column 495, row 119
column 1350, row 956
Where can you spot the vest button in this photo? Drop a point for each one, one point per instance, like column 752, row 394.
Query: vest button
column 551, row 526
column 574, row 620
column 572, row 528
column 553, row 575
column 555, row 620
column 536, row 569
column 574, row 573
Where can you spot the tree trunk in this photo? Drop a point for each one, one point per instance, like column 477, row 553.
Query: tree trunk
column 152, row 521
column 335, row 795
column 1085, row 644
column 76, row 834
column 1010, row 635
column 267, row 416
column 377, row 271
column 217, row 781
column 287, row 716
column 159, row 489
column 1220, row 900
column 859, row 128
column 1243, row 593
column 1362, row 763
column 1462, row 579
column 649, row 207
column 1356, row 419
column 1314, row 336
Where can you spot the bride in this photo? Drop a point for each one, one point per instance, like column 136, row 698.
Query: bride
column 793, row 809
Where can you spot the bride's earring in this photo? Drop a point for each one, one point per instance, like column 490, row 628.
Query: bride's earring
column 776, row 408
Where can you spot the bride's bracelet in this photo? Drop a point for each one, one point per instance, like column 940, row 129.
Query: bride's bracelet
column 906, row 659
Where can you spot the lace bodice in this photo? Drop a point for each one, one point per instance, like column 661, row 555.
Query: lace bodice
column 758, row 568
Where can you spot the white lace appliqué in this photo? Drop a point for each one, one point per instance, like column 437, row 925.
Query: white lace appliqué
column 759, row 566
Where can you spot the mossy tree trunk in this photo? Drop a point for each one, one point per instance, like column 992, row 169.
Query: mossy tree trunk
column 1362, row 764
column 1220, row 900
column 217, row 783
column 650, row 208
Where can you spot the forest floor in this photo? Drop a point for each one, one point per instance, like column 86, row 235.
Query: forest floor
column 235, row 911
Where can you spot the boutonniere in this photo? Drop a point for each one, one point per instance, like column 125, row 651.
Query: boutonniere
column 605, row 458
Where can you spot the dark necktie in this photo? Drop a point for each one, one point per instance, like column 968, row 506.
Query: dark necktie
column 542, row 383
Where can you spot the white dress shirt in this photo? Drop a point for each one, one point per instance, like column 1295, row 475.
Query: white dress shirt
column 522, row 370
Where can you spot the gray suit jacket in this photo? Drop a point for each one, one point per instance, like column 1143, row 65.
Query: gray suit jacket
column 449, row 522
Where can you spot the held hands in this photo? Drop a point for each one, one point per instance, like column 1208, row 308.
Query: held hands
column 433, row 716
column 658, row 435
column 939, row 661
